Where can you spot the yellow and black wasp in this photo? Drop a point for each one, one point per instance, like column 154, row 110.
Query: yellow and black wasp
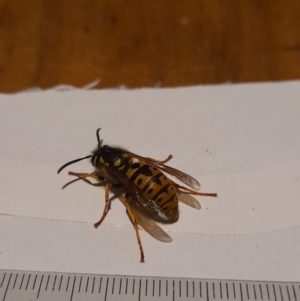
column 149, row 194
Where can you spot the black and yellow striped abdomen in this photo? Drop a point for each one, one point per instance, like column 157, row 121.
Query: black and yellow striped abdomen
column 156, row 186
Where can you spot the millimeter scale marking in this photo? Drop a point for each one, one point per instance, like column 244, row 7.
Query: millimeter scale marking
column 23, row 285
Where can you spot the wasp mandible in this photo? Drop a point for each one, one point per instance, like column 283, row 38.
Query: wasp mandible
column 149, row 194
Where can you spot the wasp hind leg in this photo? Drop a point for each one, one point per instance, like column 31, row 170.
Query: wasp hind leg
column 159, row 162
column 135, row 224
column 190, row 191
column 151, row 160
column 105, row 211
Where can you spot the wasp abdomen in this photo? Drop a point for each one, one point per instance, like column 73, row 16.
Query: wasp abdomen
column 156, row 185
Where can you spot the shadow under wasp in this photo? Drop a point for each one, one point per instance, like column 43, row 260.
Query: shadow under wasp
column 150, row 196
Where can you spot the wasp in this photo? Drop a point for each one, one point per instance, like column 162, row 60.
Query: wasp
column 150, row 196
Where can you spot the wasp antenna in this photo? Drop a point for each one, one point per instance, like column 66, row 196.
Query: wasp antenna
column 73, row 161
column 98, row 137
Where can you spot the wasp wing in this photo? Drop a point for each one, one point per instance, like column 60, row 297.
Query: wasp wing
column 180, row 175
column 148, row 224
column 138, row 195
column 189, row 200
column 152, row 228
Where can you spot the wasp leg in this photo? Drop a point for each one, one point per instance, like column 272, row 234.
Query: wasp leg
column 151, row 160
column 84, row 175
column 159, row 162
column 190, row 191
column 105, row 211
column 84, row 179
column 135, row 224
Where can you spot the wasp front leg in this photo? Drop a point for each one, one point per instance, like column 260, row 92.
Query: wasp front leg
column 83, row 175
column 107, row 187
column 105, row 211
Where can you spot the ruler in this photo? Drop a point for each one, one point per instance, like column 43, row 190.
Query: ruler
column 21, row 285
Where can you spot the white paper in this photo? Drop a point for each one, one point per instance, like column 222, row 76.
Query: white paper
column 241, row 141
column 58, row 246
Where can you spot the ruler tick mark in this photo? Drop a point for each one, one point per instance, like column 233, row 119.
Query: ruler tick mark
column 67, row 287
column 254, row 290
column 140, row 289
column 7, row 287
column 193, row 289
column 27, row 282
column 233, row 290
column 54, row 282
column 72, row 287
column 153, row 287
column 288, row 293
column 34, row 281
column 61, row 278
column 120, row 286
column 107, row 280
column 80, row 284
column 241, row 290
column 93, row 285
column 100, row 285
column 261, row 295
column 221, row 294
column 247, row 291
column 281, row 292
column 274, row 291
column 268, row 291
column 146, row 288
column 207, row 292
column 14, row 281
column 173, row 291
column 214, row 290
column 38, row 294
column 180, row 288
column 113, row 287
column 167, row 288
column 46, row 283
column 200, row 288
column 159, row 287
column 22, row 281
column 126, row 286
column 294, row 293
column 227, row 293
column 87, row 284
column 133, row 285
column 3, row 279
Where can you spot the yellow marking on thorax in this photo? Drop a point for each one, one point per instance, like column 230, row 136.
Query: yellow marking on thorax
column 117, row 162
